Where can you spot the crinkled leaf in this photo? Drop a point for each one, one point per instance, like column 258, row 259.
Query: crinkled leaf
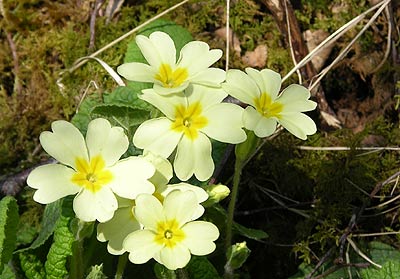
column 61, row 248
column 26, row 234
column 50, row 217
column 306, row 269
column 381, row 252
column 83, row 117
column 390, row 270
column 31, row 265
column 201, row 268
column 179, row 35
column 7, row 273
column 8, row 229
column 121, row 115
column 128, row 96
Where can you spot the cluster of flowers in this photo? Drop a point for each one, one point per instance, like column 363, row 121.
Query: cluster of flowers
column 138, row 211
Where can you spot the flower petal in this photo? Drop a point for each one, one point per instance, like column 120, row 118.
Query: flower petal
column 165, row 103
column 200, row 193
column 174, row 258
column 200, row 236
column 209, row 77
column 141, row 246
column 117, row 229
column 295, row 99
column 109, row 142
column 65, row 143
column 137, row 72
column 194, row 157
column 241, row 86
column 207, row 96
column 163, row 172
column 130, row 177
column 157, row 136
column 157, row 49
column 100, row 205
column 53, row 182
column 254, row 121
column 196, row 56
column 225, row 123
column 298, row 124
column 160, row 89
column 268, row 81
column 148, row 211
column 180, row 206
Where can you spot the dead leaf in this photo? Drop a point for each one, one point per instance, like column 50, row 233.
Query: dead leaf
column 257, row 57
column 235, row 43
column 313, row 39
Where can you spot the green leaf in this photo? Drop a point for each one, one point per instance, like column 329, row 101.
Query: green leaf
column 389, row 270
column 218, row 216
column 61, row 248
column 96, row 272
column 381, row 252
column 201, row 268
column 179, row 35
column 7, row 273
column 128, row 96
column 249, row 233
column 31, row 265
column 50, row 217
column 306, row 269
column 9, row 219
column 121, row 115
column 83, row 117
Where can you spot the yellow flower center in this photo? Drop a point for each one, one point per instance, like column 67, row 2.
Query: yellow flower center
column 91, row 175
column 169, row 233
column 266, row 107
column 189, row 120
column 169, row 78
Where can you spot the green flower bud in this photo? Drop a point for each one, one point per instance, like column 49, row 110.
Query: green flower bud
column 216, row 193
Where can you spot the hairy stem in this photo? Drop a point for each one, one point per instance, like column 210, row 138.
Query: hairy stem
column 231, row 211
column 122, row 260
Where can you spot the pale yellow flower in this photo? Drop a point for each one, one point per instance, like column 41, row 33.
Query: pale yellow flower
column 89, row 169
column 169, row 235
column 191, row 118
column 168, row 74
column 260, row 89
column 124, row 222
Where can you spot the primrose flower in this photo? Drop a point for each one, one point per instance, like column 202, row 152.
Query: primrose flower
column 260, row 90
column 121, row 224
column 191, row 119
column 169, row 236
column 168, row 74
column 161, row 178
column 89, row 169
column 124, row 222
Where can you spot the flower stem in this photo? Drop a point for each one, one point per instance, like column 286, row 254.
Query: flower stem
column 231, row 211
column 122, row 260
column 76, row 266
column 242, row 152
